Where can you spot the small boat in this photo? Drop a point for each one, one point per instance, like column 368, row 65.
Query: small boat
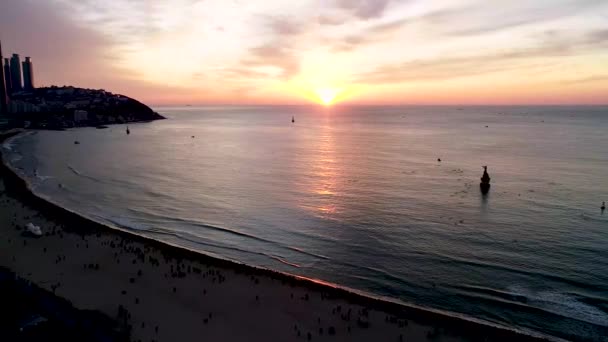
column 76, row 142
column 128, row 132
column 293, row 119
column 101, row 127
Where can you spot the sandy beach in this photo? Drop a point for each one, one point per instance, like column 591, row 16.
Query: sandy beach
column 165, row 293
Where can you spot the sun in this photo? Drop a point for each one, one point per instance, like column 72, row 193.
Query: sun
column 327, row 96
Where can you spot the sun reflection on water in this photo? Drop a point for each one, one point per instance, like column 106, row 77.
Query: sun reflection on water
column 326, row 176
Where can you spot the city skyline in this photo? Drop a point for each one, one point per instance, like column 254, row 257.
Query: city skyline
column 362, row 52
column 17, row 75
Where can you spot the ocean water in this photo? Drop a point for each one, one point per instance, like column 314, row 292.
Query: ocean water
column 356, row 196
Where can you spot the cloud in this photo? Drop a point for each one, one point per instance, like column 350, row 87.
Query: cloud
column 445, row 68
column 194, row 44
column 598, row 37
column 371, row 35
column 471, row 20
column 349, row 43
column 60, row 49
column 274, row 54
column 591, row 79
column 241, row 73
column 330, row 20
column 65, row 52
column 489, row 17
column 364, row 9
column 282, row 26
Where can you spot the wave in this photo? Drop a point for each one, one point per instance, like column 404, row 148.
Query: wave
column 42, row 178
column 563, row 304
column 229, row 231
column 509, row 268
column 83, row 175
column 285, row 261
column 8, row 145
column 129, row 224
column 73, row 169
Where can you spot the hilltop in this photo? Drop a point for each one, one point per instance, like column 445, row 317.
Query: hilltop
column 62, row 107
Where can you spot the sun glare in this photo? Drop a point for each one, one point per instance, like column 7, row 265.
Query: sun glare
column 327, row 96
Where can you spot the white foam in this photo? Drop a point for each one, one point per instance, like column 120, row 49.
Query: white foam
column 562, row 304
column 124, row 223
column 74, row 170
column 41, row 177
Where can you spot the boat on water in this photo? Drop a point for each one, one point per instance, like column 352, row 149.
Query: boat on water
column 101, row 127
column 128, row 132
column 293, row 119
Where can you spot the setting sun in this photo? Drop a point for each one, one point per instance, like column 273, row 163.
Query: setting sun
column 327, row 95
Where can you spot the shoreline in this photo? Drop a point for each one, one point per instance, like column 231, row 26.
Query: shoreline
column 443, row 323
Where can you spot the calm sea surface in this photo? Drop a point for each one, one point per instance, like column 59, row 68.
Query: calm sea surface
column 356, row 196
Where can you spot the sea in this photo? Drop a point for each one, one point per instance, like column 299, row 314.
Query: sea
column 379, row 199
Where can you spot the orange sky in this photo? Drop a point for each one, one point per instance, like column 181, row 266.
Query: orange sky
column 344, row 51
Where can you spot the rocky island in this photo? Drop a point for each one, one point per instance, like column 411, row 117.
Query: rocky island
column 63, row 107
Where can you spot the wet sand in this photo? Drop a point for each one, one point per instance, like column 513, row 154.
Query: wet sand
column 164, row 293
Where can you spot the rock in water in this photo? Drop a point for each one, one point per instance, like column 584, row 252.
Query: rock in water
column 484, row 186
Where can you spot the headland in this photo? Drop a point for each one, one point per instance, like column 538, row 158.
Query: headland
column 64, row 107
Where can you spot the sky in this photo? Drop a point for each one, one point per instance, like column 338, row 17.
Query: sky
column 177, row 52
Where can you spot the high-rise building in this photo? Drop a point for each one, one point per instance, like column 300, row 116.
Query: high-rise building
column 3, row 96
column 7, row 77
column 16, row 73
column 28, row 74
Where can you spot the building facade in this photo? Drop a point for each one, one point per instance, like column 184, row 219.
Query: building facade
column 18, row 106
column 28, row 74
column 7, row 77
column 16, row 84
column 3, row 95
column 81, row 116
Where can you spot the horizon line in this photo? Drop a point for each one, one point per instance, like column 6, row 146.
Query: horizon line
column 379, row 105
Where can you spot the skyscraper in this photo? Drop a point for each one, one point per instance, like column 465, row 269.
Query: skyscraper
column 7, row 77
column 28, row 74
column 3, row 97
column 16, row 73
